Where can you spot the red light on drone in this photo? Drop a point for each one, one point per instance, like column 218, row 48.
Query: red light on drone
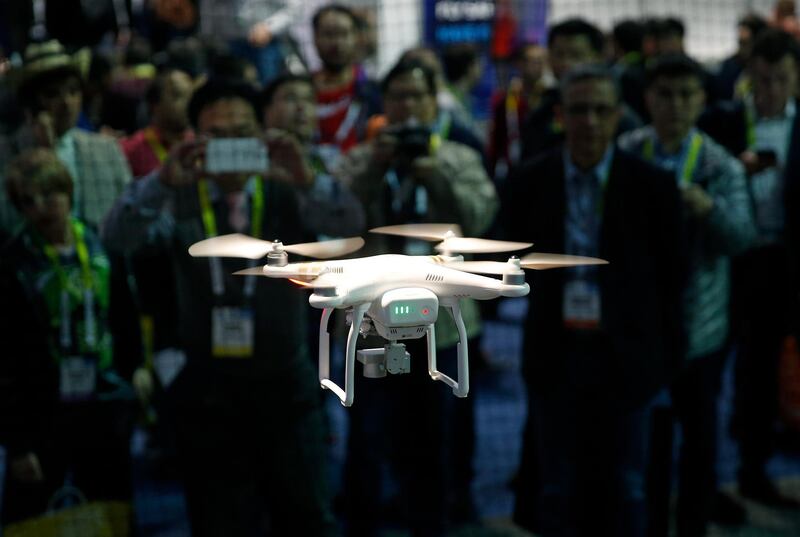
column 425, row 311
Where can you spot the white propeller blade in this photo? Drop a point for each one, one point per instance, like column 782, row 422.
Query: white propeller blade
column 468, row 245
column 326, row 249
column 541, row 261
column 238, row 245
column 234, row 245
column 535, row 261
column 427, row 232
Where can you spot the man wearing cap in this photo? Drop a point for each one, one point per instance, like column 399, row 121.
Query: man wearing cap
column 50, row 91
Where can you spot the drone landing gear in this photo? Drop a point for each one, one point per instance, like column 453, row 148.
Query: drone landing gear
column 366, row 356
column 460, row 388
column 345, row 396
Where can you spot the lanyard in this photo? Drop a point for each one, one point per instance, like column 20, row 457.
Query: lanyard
column 441, row 131
column 443, row 126
column 689, row 162
column 750, row 120
column 155, row 144
column 87, row 284
column 210, row 226
column 512, row 126
column 401, row 191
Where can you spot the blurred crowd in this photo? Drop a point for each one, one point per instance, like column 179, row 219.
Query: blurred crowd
column 619, row 145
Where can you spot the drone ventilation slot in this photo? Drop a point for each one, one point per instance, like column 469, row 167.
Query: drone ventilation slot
column 392, row 330
column 434, row 278
column 336, row 270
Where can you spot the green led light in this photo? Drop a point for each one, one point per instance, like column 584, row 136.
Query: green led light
column 402, row 310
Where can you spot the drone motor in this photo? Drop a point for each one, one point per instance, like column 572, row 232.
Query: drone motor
column 277, row 257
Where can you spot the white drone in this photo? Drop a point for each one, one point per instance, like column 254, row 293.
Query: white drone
column 394, row 296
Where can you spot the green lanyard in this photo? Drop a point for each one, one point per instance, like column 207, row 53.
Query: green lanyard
column 750, row 120
column 210, row 221
column 210, row 225
column 689, row 163
column 87, row 281
column 441, row 132
column 155, row 144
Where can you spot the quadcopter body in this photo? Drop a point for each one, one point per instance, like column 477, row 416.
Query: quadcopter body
column 396, row 297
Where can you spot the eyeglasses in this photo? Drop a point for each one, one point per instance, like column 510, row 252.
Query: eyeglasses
column 584, row 109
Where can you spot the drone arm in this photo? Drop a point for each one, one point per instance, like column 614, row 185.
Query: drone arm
column 460, row 388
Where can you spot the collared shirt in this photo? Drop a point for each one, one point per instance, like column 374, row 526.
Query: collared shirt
column 673, row 162
column 683, row 163
column 582, row 300
column 584, row 206
column 65, row 151
column 766, row 187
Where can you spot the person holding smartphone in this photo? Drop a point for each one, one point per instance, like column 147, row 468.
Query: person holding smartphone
column 408, row 173
column 289, row 110
column 720, row 223
column 248, row 414
column 760, row 130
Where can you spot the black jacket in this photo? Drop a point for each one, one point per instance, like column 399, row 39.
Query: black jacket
column 641, row 290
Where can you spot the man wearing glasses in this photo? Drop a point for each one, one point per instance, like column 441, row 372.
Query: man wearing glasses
column 599, row 341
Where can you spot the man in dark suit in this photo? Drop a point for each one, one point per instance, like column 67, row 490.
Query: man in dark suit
column 600, row 341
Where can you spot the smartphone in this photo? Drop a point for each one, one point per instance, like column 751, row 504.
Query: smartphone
column 767, row 158
column 236, row 155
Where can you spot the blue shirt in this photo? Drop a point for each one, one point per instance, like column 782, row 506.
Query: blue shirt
column 584, row 205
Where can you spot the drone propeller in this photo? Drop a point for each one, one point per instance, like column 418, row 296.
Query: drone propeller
column 469, row 245
column 238, row 245
column 535, row 261
column 326, row 249
column 542, row 261
column 426, row 232
column 451, row 239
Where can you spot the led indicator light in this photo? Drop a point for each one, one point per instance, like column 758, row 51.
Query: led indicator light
column 425, row 311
